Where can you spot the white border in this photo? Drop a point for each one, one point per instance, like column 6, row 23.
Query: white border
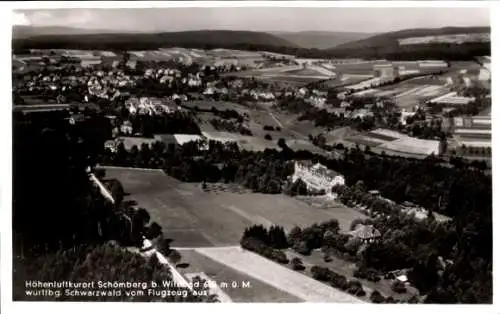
column 6, row 157
column 206, row 4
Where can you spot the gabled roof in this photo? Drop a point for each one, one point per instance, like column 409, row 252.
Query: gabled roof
column 366, row 232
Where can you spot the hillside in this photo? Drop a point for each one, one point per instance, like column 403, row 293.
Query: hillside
column 187, row 39
column 24, row 31
column 321, row 40
column 391, row 39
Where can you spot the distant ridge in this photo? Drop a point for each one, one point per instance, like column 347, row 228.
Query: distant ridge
column 391, row 38
column 25, row 31
column 90, row 39
column 321, row 39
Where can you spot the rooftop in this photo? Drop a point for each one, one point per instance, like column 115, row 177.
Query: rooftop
column 366, row 232
column 318, row 169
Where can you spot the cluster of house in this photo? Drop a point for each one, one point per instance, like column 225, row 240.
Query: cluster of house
column 153, row 105
column 107, row 84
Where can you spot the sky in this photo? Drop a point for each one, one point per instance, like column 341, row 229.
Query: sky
column 370, row 20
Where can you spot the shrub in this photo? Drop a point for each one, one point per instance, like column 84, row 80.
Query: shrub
column 174, row 256
column 279, row 256
column 354, row 287
column 302, row 248
column 297, row 264
column 259, row 247
column 153, row 231
column 268, row 137
column 398, row 287
column 376, row 297
column 320, row 273
column 389, row 276
column 164, row 247
column 366, row 273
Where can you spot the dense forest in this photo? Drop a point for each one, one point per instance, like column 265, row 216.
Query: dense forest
column 62, row 225
column 429, row 182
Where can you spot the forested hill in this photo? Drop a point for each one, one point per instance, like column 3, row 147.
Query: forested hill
column 391, row 38
column 321, row 40
column 26, row 31
column 383, row 46
column 139, row 41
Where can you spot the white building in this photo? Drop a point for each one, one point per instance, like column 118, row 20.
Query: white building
column 485, row 72
column 316, row 176
column 405, row 114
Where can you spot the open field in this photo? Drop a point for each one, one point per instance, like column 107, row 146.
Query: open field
column 395, row 143
column 220, row 273
column 449, row 39
column 293, row 79
column 381, row 136
column 410, row 93
column 364, row 140
column 486, row 112
column 288, row 74
column 305, row 72
column 413, row 146
column 344, row 80
column 193, row 217
column 296, row 284
column 220, row 105
column 254, row 143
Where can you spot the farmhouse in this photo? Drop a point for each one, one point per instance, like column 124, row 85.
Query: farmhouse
column 316, row 176
column 366, row 233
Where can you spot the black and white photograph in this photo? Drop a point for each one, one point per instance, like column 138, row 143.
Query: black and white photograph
column 257, row 154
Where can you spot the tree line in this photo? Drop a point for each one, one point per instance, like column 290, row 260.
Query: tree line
column 62, row 226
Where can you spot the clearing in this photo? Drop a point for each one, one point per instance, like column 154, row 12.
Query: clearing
column 194, row 218
column 223, row 275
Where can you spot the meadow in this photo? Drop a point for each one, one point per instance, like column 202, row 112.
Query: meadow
column 271, row 273
column 194, row 218
column 258, row 291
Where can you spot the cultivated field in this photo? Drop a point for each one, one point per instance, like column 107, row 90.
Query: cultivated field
column 395, row 143
column 223, row 274
column 409, row 93
column 293, row 74
column 273, row 274
column 254, row 143
column 454, row 38
column 220, row 105
column 194, row 218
